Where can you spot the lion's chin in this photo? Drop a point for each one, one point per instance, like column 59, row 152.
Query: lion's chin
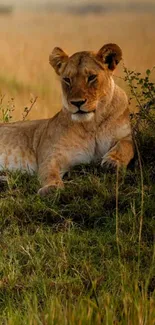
column 82, row 117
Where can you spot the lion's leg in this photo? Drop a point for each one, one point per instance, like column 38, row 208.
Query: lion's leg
column 51, row 173
column 120, row 154
column 52, row 170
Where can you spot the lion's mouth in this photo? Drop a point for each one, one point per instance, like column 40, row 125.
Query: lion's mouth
column 83, row 112
column 81, row 116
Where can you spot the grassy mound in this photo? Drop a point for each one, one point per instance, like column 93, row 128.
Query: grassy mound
column 76, row 256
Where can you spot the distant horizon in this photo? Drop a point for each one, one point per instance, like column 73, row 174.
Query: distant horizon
column 82, row 6
column 75, row 2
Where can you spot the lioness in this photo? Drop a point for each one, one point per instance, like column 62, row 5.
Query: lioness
column 92, row 125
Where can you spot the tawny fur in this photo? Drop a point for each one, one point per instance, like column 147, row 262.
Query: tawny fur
column 97, row 130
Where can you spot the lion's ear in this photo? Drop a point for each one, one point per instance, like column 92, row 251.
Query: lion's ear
column 57, row 59
column 110, row 54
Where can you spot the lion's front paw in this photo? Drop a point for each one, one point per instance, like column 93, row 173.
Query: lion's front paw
column 45, row 190
column 108, row 161
column 113, row 159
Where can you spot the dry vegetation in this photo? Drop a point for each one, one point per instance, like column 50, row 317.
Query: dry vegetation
column 26, row 40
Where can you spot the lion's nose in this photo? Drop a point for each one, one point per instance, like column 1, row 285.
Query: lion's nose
column 78, row 103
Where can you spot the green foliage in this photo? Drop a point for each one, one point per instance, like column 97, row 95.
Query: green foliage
column 6, row 109
column 143, row 94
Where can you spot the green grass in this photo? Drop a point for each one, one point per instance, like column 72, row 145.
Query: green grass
column 72, row 258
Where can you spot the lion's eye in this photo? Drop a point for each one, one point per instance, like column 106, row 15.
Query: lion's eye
column 92, row 77
column 67, row 81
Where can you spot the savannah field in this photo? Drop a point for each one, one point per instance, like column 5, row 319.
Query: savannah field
column 26, row 39
column 84, row 255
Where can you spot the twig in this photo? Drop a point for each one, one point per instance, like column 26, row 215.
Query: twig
column 117, row 222
column 1, row 100
column 93, row 287
column 142, row 203
column 28, row 109
column 132, row 88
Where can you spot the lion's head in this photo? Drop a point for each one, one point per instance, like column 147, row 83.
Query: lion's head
column 86, row 79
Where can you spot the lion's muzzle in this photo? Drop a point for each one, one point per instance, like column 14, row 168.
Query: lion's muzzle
column 78, row 103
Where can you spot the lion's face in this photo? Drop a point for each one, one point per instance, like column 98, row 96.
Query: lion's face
column 84, row 84
column 86, row 79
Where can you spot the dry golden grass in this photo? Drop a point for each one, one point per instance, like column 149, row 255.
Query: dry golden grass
column 26, row 39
